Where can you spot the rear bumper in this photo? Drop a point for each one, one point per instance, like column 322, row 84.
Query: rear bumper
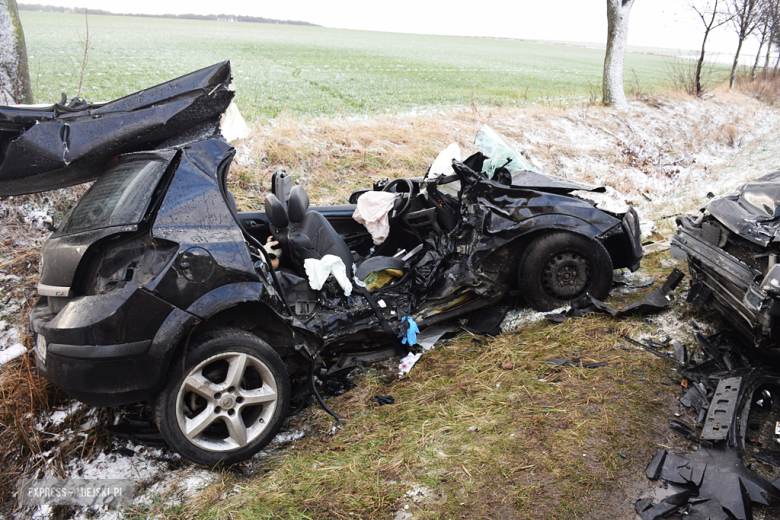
column 109, row 349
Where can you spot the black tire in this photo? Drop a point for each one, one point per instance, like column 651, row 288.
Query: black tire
column 559, row 267
column 225, row 403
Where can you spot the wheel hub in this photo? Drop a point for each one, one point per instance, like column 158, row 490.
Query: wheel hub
column 227, row 402
column 566, row 276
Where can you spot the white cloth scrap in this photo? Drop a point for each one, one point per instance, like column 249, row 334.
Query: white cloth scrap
column 319, row 270
column 233, row 125
column 407, row 363
column 372, row 209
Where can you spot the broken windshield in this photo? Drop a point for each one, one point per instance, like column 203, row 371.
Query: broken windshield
column 500, row 153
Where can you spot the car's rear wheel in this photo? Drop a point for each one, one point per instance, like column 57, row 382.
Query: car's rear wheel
column 226, row 400
column 559, row 267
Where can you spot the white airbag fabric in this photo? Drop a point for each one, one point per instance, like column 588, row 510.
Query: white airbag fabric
column 319, row 270
column 372, row 209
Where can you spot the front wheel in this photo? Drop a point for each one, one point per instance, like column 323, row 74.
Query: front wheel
column 226, row 400
column 559, row 267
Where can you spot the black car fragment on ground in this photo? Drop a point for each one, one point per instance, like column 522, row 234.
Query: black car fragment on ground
column 153, row 287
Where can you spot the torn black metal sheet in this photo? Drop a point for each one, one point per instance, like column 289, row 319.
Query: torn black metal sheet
column 486, row 321
column 649, row 511
column 717, row 474
column 709, row 509
column 529, row 179
column 42, row 150
column 655, row 302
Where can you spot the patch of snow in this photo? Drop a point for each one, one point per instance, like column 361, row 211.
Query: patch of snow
column 12, row 352
column 288, row 437
column 516, row 318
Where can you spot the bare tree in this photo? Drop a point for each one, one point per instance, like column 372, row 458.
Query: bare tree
column 744, row 16
column 617, row 37
column 14, row 77
column 713, row 14
column 763, row 32
column 773, row 21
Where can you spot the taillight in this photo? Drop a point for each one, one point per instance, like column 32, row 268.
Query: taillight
column 136, row 262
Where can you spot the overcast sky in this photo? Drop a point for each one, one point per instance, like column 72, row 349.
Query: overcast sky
column 653, row 23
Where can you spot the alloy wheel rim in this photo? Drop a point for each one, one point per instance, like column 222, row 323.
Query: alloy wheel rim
column 226, row 402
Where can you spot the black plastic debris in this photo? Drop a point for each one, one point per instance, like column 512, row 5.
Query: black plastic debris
column 141, row 432
column 43, row 149
column 667, row 506
column 653, row 347
column 382, row 400
column 337, row 383
column 684, row 430
column 563, row 362
column 655, row 302
column 735, row 405
column 486, row 321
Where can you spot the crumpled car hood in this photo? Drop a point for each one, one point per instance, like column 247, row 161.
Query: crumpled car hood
column 752, row 211
column 544, row 182
column 47, row 148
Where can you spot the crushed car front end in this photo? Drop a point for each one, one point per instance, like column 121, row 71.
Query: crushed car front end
column 732, row 249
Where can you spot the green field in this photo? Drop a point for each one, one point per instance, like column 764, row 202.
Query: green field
column 312, row 71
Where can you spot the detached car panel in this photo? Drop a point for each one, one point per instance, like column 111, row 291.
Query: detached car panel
column 63, row 145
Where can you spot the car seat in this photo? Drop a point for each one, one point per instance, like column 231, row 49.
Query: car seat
column 278, row 222
column 311, row 235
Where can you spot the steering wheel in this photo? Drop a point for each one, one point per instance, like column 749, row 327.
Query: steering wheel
column 401, row 204
column 465, row 174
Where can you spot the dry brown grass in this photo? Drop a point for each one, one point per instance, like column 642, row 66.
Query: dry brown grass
column 764, row 87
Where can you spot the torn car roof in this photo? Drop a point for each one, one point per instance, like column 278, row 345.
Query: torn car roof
column 43, row 149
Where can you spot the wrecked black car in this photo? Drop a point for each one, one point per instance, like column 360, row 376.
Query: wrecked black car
column 154, row 287
column 732, row 249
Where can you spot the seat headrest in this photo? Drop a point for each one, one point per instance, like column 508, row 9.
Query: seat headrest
column 298, row 204
column 277, row 215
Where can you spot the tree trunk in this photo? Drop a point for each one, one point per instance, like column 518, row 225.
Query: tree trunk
column 698, row 89
column 617, row 37
column 14, row 76
column 758, row 57
column 733, row 77
column 768, row 52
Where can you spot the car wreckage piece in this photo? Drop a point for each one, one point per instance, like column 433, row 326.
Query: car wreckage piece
column 154, row 287
column 43, row 148
column 732, row 248
column 739, row 407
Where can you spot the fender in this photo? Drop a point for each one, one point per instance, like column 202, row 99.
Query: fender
column 232, row 294
column 548, row 222
column 506, row 237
